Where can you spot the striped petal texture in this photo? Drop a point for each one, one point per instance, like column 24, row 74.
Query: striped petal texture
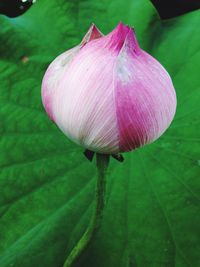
column 107, row 94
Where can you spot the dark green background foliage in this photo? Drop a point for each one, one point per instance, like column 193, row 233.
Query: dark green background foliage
column 47, row 185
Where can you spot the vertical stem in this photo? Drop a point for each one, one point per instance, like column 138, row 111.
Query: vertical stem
column 102, row 165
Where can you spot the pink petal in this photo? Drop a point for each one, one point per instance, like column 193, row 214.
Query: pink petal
column 144, row 95
column 84, row 107
column 56, row 69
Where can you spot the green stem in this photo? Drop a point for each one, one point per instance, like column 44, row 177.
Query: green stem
column 102, row 165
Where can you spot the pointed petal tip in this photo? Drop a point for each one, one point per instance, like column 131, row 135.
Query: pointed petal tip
column 131, row 42
column 127, row 34
column 92, row 33
column 122, row 33
column 121, row 28
column 93, row 27
column 95, row 31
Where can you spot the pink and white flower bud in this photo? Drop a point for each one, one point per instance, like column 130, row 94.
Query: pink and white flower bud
column 107, row 94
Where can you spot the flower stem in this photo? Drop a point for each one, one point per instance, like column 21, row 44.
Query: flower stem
column 102, row 165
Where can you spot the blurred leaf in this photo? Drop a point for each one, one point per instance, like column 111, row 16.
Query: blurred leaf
column 46, row 184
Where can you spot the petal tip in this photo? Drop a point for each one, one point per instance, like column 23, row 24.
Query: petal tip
column 92, row 33
column 120, row 35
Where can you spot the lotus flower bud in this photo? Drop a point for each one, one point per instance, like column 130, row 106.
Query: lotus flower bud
column 107, row 94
